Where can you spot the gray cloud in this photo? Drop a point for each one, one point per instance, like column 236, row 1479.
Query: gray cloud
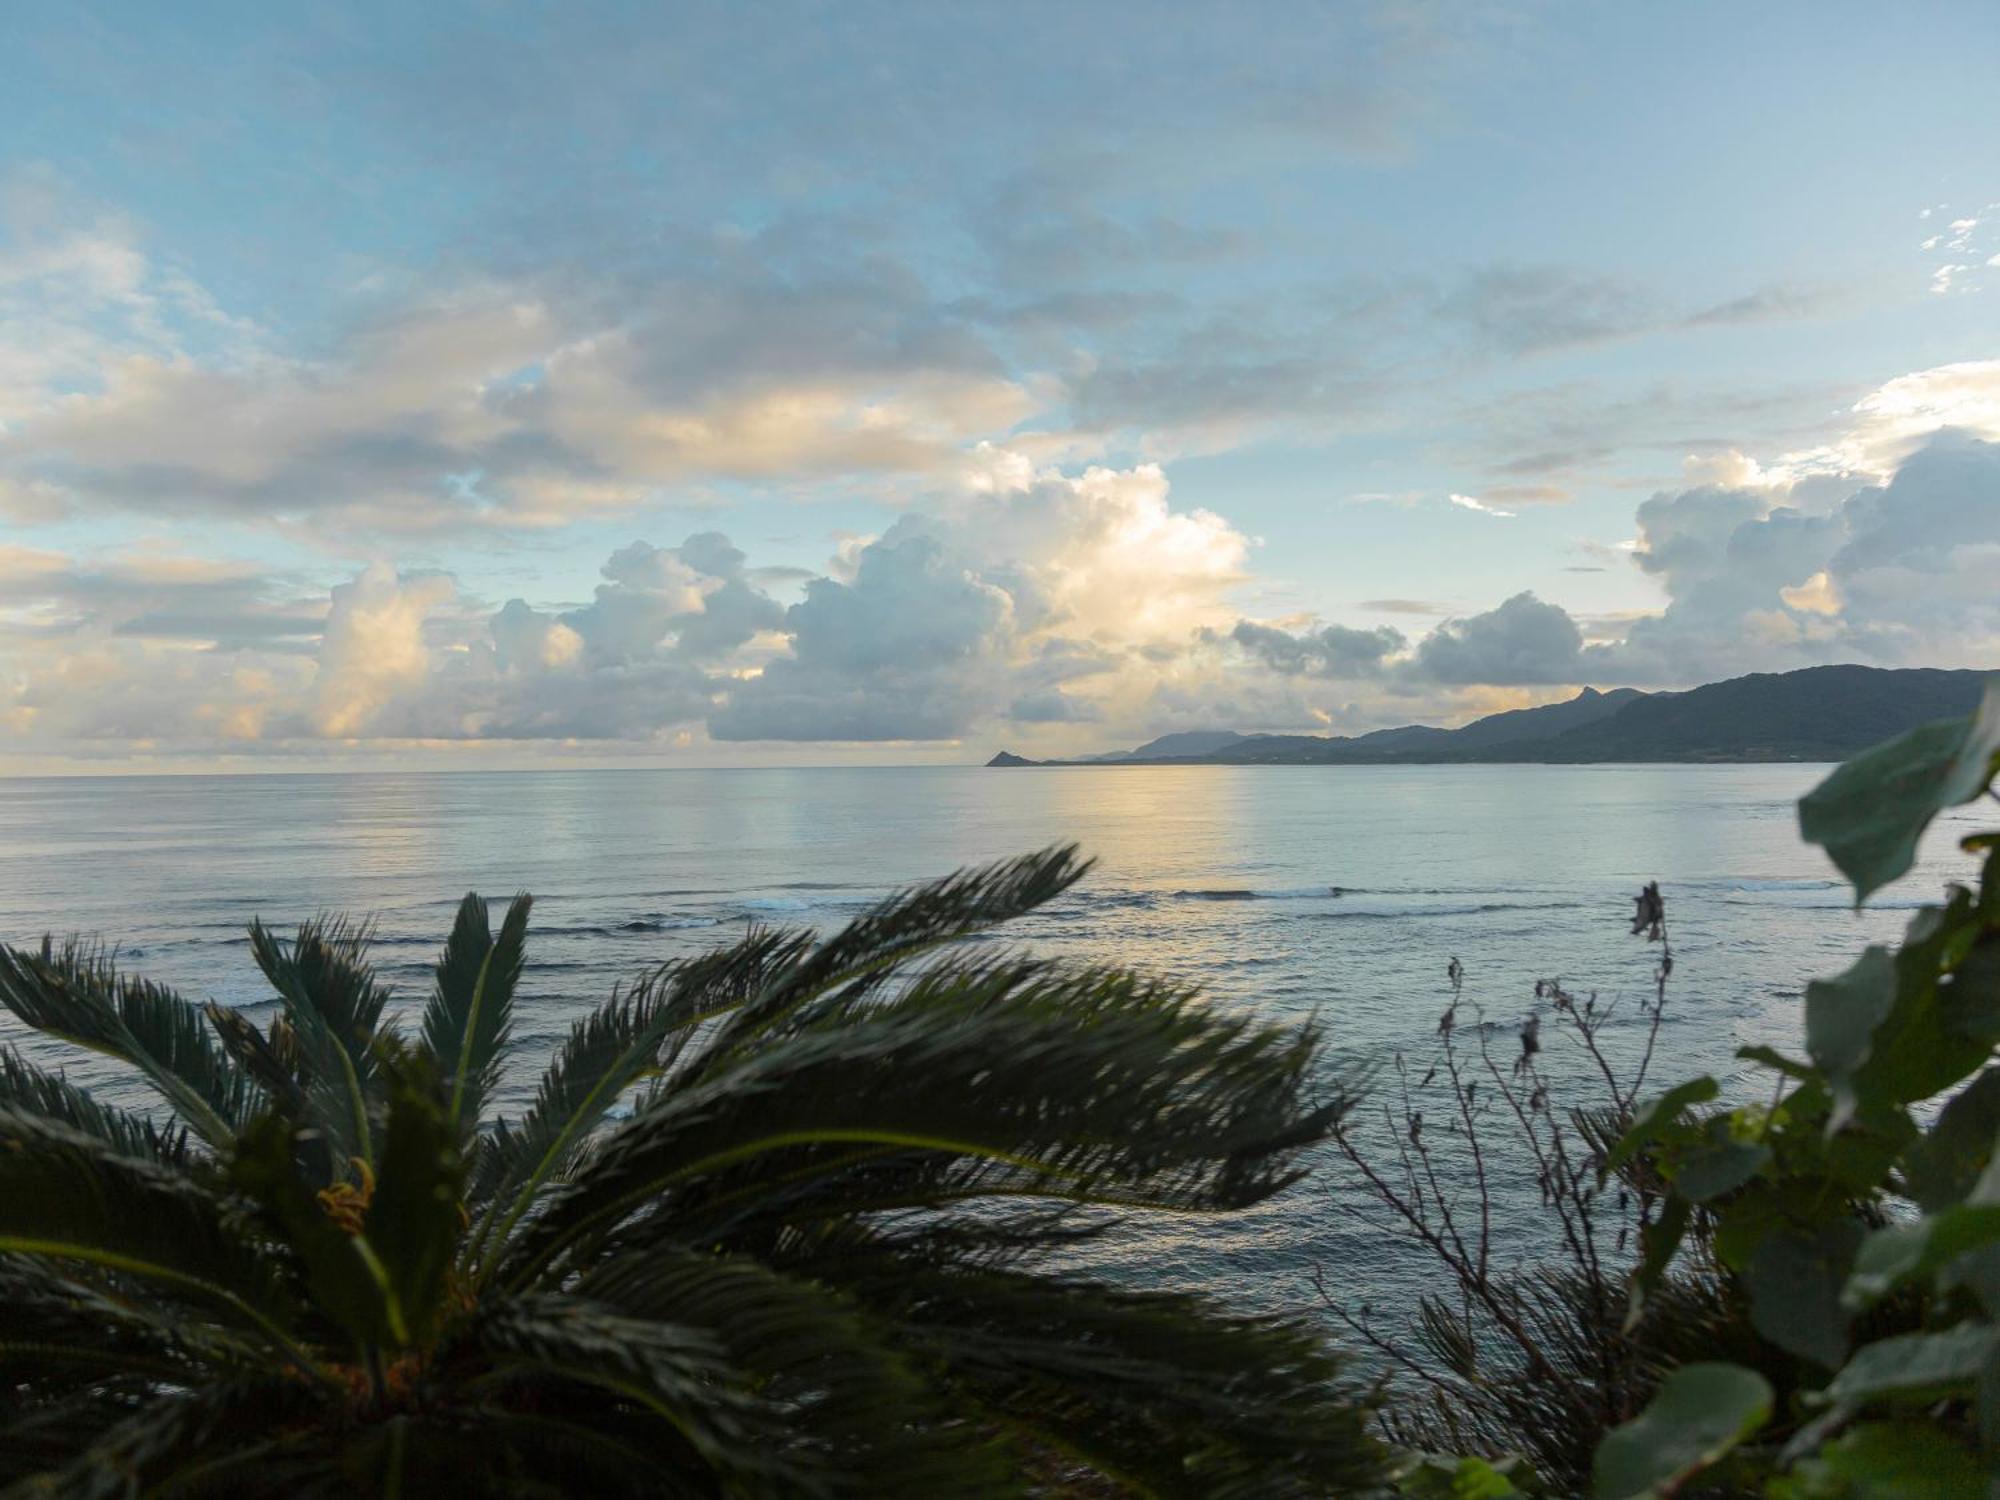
column 1524, row 641
column 1335, row 651
column 1771, row 304
column 902, row 652
column 1528, row 309
column 1404, row 606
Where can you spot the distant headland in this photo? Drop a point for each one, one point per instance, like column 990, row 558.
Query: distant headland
column 1815, row 714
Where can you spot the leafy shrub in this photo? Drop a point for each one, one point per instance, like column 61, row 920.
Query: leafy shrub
column 1860, row 1208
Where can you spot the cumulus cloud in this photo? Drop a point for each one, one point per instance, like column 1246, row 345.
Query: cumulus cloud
column 1523, row 641
column 1333, row 651
column 1027, row 580
column 373, row 650
column 1019, row 595
column 1898, row 573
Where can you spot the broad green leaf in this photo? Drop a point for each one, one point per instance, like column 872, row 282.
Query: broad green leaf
column 1776, row 1061
column 1986, row 1401
column 1895, row 1461
column 1720, row 1165
column 1905, row 1252
column 1699, row 1414
column 1920, row 1048
column 1942, row 1165
column 1795, row 1279
column 1970, row 994
column 1655, row 1116
column 1871, row 812
column 1433, row 1476
column 1916, row 1365
column 1841, row 1016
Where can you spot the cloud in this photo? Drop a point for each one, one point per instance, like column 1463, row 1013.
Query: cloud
column 501, row 404
column 1523, row 641
column 1026, row 580
column 1771, row 304
column 1532, row 309
column 1404, row 606
column 1896, row 573
column 373, row 650
column 1473, row 503
column 1335, row 651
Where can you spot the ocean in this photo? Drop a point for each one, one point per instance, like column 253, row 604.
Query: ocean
column 1335, row 893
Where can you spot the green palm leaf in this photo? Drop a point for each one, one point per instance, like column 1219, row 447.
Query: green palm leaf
column 1078, row 1086
column 200, row 1441
column 1169, row 1392
column 76, row 993
column 26, row 1087
column 608, row 1052
column 414, row 1220
column 680, row 1375
column 470, row 1013
column 58, row 1333
column 852, row 1398
column 69, row 1199
column 865, row 953
column 342, row 1271
column 334, row 1006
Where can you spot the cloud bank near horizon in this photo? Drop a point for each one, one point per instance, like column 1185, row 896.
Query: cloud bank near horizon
column 1029, row 605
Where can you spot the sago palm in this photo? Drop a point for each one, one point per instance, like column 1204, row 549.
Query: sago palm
column 779, row 1221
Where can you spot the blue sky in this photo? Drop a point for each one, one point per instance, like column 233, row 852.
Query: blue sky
column 1016, row 370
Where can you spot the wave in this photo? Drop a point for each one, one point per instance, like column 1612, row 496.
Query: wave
column 1292, row 893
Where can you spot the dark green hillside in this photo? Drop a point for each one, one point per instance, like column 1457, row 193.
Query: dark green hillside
column 1819, row 713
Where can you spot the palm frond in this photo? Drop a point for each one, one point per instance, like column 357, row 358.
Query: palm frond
column 60, row 1334
column 854, row 1401
column 27, row 1087
column 609, row 1051
column 343, row 1272
column 182, row 1442
column 334, row 1005
column 681, row 1375
column 69, row 1199
column 470, row 1014
column 414, row 1219
column 864, row 952
column 75, row 992
column 275, row 1063
column 1077, row 1085
column 1166, row 1392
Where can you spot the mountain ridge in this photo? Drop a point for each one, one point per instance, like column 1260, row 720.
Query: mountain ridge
column 1811, row 714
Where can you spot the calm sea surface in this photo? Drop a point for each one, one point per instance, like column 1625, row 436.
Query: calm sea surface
column 1339, row 892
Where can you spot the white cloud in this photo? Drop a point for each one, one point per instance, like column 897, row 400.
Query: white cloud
column 1474, row 503
column 1026, row 580
column 373, row 650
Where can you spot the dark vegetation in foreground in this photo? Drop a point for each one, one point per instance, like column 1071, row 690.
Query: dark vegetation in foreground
column 1816, row 713
column 812, row 1260
column 816, row 1255
column 1797, row 1297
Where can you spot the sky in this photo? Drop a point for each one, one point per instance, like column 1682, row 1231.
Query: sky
column 512, row 384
